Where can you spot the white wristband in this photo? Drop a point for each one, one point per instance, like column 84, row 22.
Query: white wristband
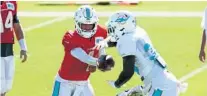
column 22, row 44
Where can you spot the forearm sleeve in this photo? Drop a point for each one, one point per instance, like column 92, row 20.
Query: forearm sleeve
column 128, row 70
column 81, row 55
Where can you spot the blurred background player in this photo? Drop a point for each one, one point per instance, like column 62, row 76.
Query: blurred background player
column 9, row 23
column 137, row 51
column 202, row 55
column 80, row 59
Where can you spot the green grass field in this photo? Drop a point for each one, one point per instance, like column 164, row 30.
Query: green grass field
column 146, row 6
column 177, row 39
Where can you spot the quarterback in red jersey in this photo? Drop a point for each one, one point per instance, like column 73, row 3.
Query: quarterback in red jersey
column 9, row 23
column 72, row 77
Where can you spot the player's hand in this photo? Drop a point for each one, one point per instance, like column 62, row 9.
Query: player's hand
column 202, row 56
column 91, row 68
column 182, row 86
column 111, row 83
column 23, row 55
column 100, row 45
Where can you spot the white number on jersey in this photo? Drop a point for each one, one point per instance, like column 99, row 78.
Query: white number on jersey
column 8, row 22
column 1, row 25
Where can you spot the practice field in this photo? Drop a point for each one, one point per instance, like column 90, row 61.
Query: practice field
column 146, row 6
column 177, row 39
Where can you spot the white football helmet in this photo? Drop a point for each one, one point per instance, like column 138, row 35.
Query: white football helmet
column 120, row 23
column 86, row 21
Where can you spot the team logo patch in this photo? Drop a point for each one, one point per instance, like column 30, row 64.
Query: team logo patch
column 98, row 39
column 122, row 19
column 10, row 6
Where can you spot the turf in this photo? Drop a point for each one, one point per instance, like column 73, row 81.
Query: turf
column 28, row 21
column 177, row 42
column 143, row 6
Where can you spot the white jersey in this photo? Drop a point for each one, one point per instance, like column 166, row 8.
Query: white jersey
column 138, row 43
column 157, row 80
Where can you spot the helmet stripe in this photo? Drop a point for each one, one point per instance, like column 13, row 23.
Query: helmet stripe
column 88, row 13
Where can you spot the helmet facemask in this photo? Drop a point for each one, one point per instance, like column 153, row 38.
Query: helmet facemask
column 115, row 32
column 111, row 33
column 86, row 30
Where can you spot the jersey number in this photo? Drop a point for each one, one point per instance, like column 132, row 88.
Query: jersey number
column 8, row 22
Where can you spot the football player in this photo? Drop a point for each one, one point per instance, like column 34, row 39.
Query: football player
column 202, row 55
column 80, row 59
column 137, row 51
column 9, row 23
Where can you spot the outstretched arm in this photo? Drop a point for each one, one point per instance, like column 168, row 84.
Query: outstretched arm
column 105, row 43
column 202, row 55
column 127, row 72
column 75, row 49
column 20, row 37
column 81, row 55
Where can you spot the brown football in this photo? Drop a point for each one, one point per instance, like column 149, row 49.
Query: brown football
column 106, row 63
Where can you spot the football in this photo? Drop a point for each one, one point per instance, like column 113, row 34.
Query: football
column 105, row 63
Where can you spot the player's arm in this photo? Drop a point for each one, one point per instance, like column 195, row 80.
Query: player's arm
column 202, row 55
column 19, row 32
column 109, row 42
column 128, row 52
column 105, row 43
column 81, row 55
column 202, row 50
column 20, row 37
column 127, row 72
column 203, row 43
column 77, row 51
column 102, row 51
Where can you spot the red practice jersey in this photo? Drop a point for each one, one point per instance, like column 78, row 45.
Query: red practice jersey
column 8, row 10
column 72, row 68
